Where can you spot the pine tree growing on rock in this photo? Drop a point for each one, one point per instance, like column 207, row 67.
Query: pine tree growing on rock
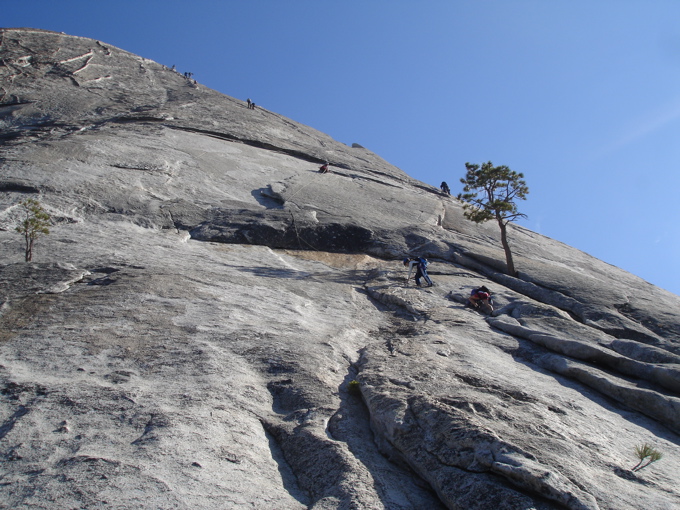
column 34, row 225
column 499, row 187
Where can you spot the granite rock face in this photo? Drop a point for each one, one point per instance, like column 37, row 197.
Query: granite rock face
column 187, row 334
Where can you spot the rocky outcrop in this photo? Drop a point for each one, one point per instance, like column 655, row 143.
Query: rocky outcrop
column 187, row 334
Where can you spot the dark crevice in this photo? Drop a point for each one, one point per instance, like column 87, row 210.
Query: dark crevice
column 635, row 315
column 18, row 187
column 630, row 334
column 351, row 424
column 141, row 118
column 14, row 103
column 37, row 131
column 288, row 478
column 6, row 427
column 245, row 227
column 11, row 135
column 255, row 143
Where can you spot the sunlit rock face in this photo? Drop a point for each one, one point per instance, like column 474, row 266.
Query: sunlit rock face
column 186, row 335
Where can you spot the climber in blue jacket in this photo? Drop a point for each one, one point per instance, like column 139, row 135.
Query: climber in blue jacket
column 420, row 265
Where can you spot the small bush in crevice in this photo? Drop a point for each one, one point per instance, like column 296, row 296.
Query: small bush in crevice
column 354, row 387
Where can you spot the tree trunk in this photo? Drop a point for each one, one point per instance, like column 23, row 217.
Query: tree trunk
column 29, row 249
column 506, row 248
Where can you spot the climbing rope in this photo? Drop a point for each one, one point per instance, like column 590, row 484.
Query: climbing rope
column 303, row 187
column 297, row 234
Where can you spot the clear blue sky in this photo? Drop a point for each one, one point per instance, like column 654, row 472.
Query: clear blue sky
column 583, row 97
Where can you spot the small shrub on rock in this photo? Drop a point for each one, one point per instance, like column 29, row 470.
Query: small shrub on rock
column 354, row 387
column 643, row 452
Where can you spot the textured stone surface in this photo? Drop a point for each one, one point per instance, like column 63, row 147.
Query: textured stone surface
column 186, row 335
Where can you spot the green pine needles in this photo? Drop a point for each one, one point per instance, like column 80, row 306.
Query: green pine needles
column 35, row 223
column 643, row 452
column 489, row 193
